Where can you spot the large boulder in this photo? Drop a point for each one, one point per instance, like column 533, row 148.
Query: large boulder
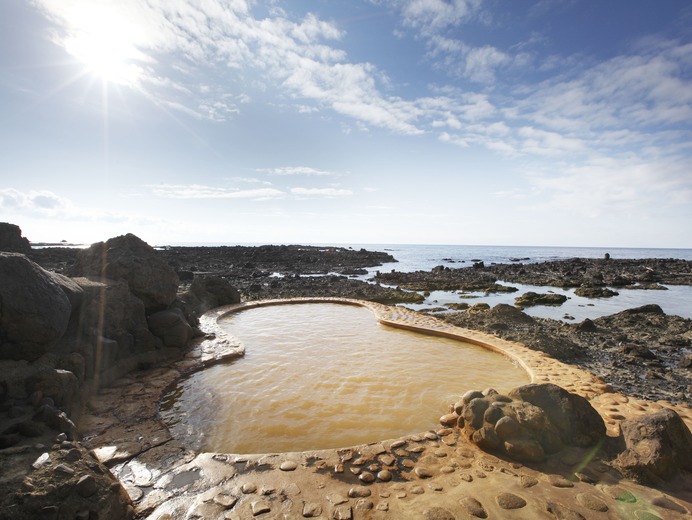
column 657, row 447
column 11, row 239
column 34, row 308
column 132, row 260
column 529, row 423
column 214, row 291
column 205, row 293
column 577, row 421
column 111, row 325
column 171, row 327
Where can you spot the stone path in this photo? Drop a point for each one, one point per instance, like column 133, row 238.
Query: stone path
column 435, row 475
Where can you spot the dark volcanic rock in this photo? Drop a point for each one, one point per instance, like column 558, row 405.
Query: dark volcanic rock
column 531, row 298
column 34, row 309
column 658, row 446
column 11, row 239
column 285, row 260
column 128, row 258
column 171, row 326
column 574, row 272
column 594, row 292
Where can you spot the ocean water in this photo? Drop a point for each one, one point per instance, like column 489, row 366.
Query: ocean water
column 677, row 300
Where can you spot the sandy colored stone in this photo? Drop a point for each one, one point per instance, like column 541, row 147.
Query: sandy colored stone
column 510, row 501
column 288, row 465
column 473, row 507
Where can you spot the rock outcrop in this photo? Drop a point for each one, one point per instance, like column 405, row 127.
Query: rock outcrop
column 11, row 239
column 132, row 260
column 34, row 308
column 657, row 447
column 529, row 299
column 529, row 423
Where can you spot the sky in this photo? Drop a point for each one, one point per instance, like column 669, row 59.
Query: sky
column 524, row 122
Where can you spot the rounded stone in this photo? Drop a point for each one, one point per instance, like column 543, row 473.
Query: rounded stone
column 667, row 503
column 560, row 482
column 474, row 411
column 470, row 395
column 438, row 513
column 486, row 438
column 473, row 507
column 364, row 504
column 385, row 475
column 507, row 428
column 423, row 472
column 248, row 488
column 510, row 501
column 527, row 481
column 493, row 414
column 288, row 465
column 359, row 492
column 592, row 502
column 366, row 477
column 449, row 419
column 417, row 490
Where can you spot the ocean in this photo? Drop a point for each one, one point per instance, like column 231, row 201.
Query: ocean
column 677, row 300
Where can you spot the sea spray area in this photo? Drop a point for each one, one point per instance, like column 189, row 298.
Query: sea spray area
column 82, row 432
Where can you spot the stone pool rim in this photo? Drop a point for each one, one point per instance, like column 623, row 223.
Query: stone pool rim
column 124, row 431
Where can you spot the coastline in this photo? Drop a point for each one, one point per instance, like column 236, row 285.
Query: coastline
column 157, row 470
column 660, row 345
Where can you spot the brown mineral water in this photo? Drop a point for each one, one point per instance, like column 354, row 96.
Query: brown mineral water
column 319, row 376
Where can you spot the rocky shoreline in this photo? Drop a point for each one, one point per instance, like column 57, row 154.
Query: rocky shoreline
column 79, row 327
column 644, row 352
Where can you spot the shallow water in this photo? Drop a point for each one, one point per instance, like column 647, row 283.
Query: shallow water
column 319, row 376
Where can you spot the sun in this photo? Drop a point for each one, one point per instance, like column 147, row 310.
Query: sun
column 104, row 44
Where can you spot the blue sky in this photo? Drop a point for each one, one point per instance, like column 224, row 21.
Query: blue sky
column 527, row 122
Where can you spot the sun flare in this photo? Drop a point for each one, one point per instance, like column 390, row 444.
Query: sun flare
column 105, row 44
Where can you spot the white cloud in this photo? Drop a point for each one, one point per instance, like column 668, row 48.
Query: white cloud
column 612, row 187
column 44, row 204
column 200, row 191
column 298, row 170
column 329, row 193
column 432, row 15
